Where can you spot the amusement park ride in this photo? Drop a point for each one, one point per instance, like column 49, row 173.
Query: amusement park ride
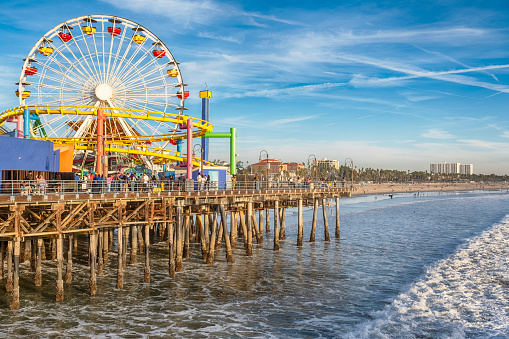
column 110, row 91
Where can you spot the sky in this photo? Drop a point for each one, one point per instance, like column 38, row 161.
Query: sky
column 389, row 84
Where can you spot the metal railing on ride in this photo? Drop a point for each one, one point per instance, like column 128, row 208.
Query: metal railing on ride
column 46, row 187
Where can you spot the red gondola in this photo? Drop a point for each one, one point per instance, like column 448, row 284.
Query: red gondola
column 30, row 70
column 158, row 53
column 114, row 30
column 179, row 95
column 65, row 37
column 173, row 142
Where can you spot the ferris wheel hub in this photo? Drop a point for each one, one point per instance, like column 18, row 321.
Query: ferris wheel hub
column 103, row 92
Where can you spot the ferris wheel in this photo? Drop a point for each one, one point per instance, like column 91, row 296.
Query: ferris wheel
column 102, row 61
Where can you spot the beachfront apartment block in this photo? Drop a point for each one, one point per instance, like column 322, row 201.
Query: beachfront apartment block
column 467, row 169
column 451, row 168
column 327, row 164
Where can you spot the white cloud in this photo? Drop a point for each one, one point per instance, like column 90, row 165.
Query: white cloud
column 191, row 12
column 505, row 134
column 437, row 134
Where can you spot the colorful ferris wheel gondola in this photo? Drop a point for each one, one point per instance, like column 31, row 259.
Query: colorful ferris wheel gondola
column 89, row 28
column 65, row 33
column 138, row 36
column 114, row 30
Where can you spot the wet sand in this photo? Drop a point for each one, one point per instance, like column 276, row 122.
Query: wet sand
column 425, row 187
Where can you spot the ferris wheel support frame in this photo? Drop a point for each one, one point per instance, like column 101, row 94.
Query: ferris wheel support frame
column 93, row 62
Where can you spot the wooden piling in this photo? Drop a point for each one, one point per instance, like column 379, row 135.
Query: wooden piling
column 315, row 217
column 53, row 249
column 105, row 246
column 229, row 255
column 276, row 225
column 141, row 242
column 124, row 243
column 43, row 257
column 219, row 236
column 336, row 234
column 68, row 269
column 178, row 244
column 120, row 256
column 8, row 283
column 206, row 235
column 256, row 232
column 300, row 223
column 147, row 260
column 27, row 255
column 100, row 260
column 212, row 242
column 244, row 228
column 325, row 221
column 203, row 244
column 187, row 230
column 233, row 229
column 260, row 225
column 38, row 264
column 14, row 304
column 93, row 277
column 2, row 258
column 267, row 220
column 33, row 255
column 59, row 296
column 282, row 232
column 171, row 252
column 134, row 245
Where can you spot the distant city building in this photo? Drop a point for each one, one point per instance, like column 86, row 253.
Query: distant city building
column 293, row 167
column 327, row 164
column 467, row 169
column 275, row 167
column 268, row 166
column 451, row 168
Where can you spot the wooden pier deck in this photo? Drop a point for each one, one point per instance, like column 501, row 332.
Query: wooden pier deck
column 29, row 225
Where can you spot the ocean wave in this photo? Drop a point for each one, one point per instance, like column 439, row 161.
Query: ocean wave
column 465, row 295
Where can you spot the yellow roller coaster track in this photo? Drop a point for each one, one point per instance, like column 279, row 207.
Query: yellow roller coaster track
column 137, row 144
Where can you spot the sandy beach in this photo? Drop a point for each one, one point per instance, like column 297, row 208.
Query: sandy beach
column 390, row 188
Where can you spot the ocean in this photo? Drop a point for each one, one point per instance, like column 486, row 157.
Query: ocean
column 428, row 266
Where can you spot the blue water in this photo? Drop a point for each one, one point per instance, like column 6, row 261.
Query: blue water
column 432, row 266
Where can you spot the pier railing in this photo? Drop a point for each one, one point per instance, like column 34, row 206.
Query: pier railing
column 47, row 187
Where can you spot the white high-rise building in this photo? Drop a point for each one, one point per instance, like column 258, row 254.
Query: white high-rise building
column 451, row 168
column 467, row 169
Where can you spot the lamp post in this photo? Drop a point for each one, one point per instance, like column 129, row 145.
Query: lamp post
column 351, row 165
column 266, row 158
column 201, row 156
column 314, row 162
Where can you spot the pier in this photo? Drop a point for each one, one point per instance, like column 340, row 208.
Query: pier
column 37, row 226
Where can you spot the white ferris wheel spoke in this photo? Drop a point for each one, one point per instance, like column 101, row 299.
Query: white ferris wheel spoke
column 119, row 47
column 76, row 78
column 95, row 72
column 122, row 64
column 70, row 62
column 90, row 74
column 128, row 64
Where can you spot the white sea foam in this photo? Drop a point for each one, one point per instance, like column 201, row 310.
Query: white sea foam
column 465, row 295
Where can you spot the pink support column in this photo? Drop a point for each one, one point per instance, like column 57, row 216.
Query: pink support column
column 100, row 135
column 189, row 148
column 19, row 126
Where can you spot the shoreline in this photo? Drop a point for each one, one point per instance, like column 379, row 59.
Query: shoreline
column 393, row 188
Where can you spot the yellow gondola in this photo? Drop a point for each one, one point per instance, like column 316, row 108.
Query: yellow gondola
column 173, row 72
column 24, row 94
column 89, row 30
column 46, row 51
column 138, row 38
